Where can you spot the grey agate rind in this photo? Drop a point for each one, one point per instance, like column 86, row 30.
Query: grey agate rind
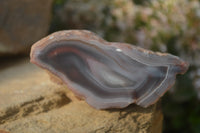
column 107, row 74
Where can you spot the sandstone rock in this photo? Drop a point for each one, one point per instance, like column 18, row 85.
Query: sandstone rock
column 3, row 131
column 22, row 22
column 30, row 102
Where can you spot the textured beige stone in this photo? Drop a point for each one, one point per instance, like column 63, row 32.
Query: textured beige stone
column 30, row 102
column 22, row 22
column 26, row 90
column 3, row 131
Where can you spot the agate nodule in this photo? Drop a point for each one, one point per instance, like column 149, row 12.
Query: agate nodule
column 107, row 74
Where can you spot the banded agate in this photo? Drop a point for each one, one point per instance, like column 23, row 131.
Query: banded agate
column 107, row 74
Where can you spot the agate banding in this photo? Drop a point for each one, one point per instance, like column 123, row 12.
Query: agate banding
column 107, row 74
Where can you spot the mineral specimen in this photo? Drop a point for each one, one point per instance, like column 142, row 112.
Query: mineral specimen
column 107, row 74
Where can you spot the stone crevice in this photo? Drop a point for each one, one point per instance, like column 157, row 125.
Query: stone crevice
column 39, row 105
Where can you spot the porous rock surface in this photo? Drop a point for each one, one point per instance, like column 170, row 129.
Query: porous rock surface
column 23, row 22
column 30, row 102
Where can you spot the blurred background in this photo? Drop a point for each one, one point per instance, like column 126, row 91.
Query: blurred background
column 171, row 26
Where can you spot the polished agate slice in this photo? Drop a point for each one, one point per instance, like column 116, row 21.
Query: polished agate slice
column 107, row 74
